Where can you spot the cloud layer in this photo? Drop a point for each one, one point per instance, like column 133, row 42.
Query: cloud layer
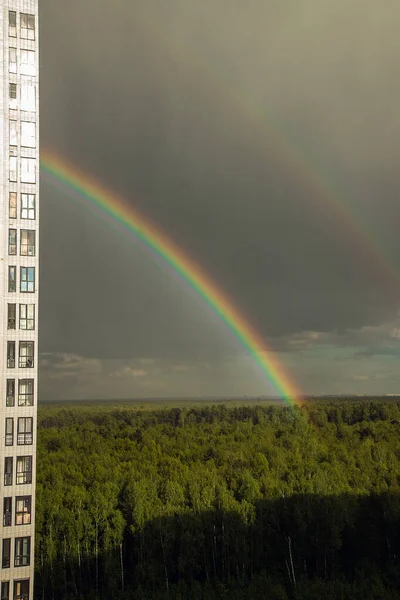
column 217, row 124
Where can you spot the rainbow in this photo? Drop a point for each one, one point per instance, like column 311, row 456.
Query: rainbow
column 116, row 207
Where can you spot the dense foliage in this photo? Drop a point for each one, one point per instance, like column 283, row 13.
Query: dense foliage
column 209, row 502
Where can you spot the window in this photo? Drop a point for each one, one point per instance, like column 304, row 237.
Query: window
column 10, row 392
column 27, row 62
column 7, row 512
column 12, row 89
column 13, row 133
column 21, row 589
column 24, row 469
column 28, row 206
column 12, row 95
column 9, row 431
column 28, row 134
column 12, row 275
column 5, row 590
column 12, row 205
column 22, row 555
column 28, row 170
column 24, row 431
column 12, row 242
column 10, row 355
column 26, row 355
column 13, row 169
column 27, row 316
column 27, row 242
column 5, row 555
column 28, row 94
column 27, row 26
column 27, row 279
column 11, row 316
column 8, row 470
column 12, row 60
column 25, row 392
column 23, row 510
column 12, row 23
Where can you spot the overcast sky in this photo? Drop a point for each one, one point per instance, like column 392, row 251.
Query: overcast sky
column 216, row 119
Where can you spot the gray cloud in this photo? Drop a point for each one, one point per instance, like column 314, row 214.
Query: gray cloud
column 76, row 377
column 182, row 108
column 368, row 340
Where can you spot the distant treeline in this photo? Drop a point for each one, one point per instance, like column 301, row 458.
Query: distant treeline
column 207, row 503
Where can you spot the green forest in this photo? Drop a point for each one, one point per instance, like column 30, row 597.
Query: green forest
column 213, row 502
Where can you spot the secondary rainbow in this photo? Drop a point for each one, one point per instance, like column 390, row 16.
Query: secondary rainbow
column 92, row 190
column 319, row 185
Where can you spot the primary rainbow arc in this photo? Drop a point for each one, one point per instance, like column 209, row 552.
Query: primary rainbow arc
column 113, row 205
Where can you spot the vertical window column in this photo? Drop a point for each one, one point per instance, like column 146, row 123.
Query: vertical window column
column 12, row 279
column 7, row 512
column 6, row 553
column 12, row 23
column 8, row 470
column 13, row 133
column 11, row 355
column 10, row 392
column 12, row 242
column 5, row 590
column 12, row 60
column 9, row 431
column 13, row 168
column 11, row 316
column 12, row 95
column 12, row 205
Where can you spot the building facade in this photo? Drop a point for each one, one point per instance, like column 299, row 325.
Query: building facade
column 19, row 279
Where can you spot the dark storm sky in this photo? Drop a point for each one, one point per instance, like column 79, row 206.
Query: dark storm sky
column 176, row 106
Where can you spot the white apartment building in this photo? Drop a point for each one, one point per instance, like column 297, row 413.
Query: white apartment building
column 19, row 279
